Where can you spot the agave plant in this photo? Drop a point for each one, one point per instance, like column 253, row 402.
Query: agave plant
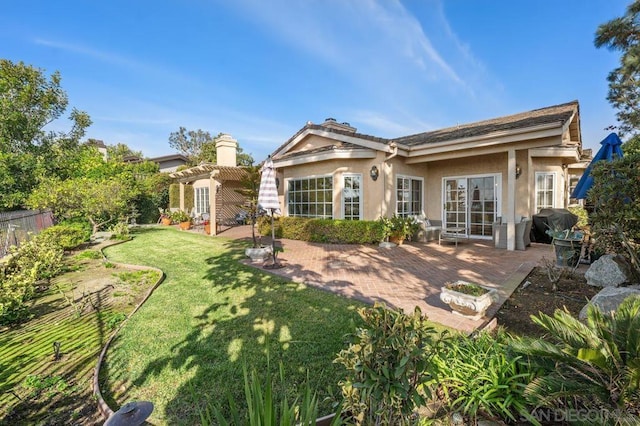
column 593, row 365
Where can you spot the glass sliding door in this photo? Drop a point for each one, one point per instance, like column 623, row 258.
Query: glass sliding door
column 471, row 203
column 482, row 210
column 455, row 205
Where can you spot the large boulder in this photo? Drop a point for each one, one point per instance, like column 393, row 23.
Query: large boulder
column 610, row 270
column 609, row 298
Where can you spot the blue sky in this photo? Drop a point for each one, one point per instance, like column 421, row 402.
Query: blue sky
column 260, row 69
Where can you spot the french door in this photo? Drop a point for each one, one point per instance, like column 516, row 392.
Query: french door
column 471, row 202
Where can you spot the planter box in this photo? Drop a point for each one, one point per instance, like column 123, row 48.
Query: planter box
column 472, row 307
column 258, row 254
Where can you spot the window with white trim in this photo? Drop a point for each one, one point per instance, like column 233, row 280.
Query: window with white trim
column 201, row 196
column 310, row 197
column 408, row 196
column 545, row 190
column 352, row 196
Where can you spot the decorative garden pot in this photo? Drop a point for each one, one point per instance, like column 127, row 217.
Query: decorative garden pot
column 207, row 229
column 185, row 225
column 468, row 305
column 567, row 251
column 396, row 239
column 166, row 221
column 258, row 254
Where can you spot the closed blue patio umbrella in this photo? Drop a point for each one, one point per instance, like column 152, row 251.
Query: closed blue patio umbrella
column 609, row 151
column 268, row 199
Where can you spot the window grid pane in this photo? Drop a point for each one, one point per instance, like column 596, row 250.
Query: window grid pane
column 408, row 196
column 351, row 197
column 310, row 197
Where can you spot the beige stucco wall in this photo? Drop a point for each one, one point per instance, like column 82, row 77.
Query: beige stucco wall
column 371, row 191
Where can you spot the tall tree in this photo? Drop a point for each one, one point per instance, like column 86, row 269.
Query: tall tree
column 200, row 147
column 189, row 142
column 623, row 34
column 29, row 101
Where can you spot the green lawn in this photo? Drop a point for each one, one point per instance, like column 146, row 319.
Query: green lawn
column 187, row 344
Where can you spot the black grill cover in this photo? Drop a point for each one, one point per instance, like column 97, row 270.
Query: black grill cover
column 551, row 219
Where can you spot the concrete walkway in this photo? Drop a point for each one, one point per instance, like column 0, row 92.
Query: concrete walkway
column 408, row 275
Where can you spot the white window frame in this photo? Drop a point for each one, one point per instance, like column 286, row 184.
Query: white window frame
column 422, row 189
column 202, row 206
column 554, row 190
column 288, row 195
column 497, row 181
column 342, row 201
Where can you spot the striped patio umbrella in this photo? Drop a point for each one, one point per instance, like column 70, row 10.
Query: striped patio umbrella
column 268, row 199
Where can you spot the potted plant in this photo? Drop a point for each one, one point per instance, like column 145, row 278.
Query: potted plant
column 250, row 185
column 468, row 299
column 568, row 246
column 182, row 218
column 165, row 217
column 399, row 228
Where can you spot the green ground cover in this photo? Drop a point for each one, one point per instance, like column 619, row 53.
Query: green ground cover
column 187, row 345
column 78, row 311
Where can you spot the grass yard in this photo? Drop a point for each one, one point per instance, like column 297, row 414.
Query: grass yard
column 187, row 345
column 79, row 310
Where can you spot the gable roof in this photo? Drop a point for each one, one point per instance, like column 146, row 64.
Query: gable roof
column 554, row 114
column 561, row 115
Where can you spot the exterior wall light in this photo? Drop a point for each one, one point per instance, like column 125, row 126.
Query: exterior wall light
column 374, row 173
column 518, row 171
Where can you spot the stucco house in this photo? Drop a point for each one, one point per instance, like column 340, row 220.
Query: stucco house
column 215, row 186
column 466, row 176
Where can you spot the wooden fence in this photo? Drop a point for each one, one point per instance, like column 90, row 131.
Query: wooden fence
column 18, row 226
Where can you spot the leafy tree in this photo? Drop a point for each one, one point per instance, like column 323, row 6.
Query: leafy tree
column 200, row 147
column 632, row 146
column 119, row 151
column 101, row 201
column 615, row 197
column 190, row 143
column 29, row 100
column 623, row 34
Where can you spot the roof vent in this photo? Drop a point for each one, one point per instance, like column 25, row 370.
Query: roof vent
column 332, row 123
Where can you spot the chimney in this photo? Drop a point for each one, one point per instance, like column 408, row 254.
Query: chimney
column 226, row 148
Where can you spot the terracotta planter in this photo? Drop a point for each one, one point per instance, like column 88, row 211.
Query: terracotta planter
column 166, row 221
column 396, row 239
column 469, row 306
column 207, row 229
column 185, row 225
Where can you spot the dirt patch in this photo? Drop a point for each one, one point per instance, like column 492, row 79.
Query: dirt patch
column 536, row 295
column 78, row 311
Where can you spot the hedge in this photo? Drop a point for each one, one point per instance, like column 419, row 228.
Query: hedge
column 324, row 230
column 174, row 196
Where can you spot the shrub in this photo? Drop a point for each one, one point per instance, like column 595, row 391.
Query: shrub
column 480, row 375
column 40, row 257
column 180, row 216
column 120, row 231
column 67, row 236
column 323, row 230
column 15, row 290
column 388, row 366
column 593, row 365
column 615, row 196
column 174, row 196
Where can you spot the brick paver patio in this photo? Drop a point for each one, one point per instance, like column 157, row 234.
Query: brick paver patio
column 408, row 275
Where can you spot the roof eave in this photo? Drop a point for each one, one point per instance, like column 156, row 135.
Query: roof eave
column 325, row 156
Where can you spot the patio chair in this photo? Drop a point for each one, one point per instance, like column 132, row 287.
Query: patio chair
column 429, row 230
column 523, row 229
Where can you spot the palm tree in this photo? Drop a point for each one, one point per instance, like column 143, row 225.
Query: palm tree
column 593, row 365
